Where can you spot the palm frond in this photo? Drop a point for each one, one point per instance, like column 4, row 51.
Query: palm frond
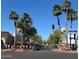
column 13, row 15
column 72, row 15
column 57, row 10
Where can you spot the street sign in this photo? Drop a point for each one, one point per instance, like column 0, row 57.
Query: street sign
column 72, row 30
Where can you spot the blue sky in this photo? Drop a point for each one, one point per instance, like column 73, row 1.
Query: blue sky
column 40, row 12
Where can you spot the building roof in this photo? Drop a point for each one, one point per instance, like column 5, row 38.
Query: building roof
column 5, row 35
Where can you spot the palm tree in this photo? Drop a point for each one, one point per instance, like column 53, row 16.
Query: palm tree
column 14, row 16
column 32, row 31
column 56, row 12
column 72, row 16
column 27, row 22
column 66, row 7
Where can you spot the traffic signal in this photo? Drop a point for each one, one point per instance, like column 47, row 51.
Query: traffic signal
column 53, row 26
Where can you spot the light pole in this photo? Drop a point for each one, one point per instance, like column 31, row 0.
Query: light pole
column 21, row 35
column 63, row 30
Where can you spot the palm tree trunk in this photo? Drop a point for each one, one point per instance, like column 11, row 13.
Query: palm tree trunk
column 70, row 40
column 71, row 24
column 58, row 22
column 66, row 33
column 67, row 29
column 24, row 36
column 21, row 42
column 28, row 40
column 59, row 27
column 15, row 34
column 70, row 28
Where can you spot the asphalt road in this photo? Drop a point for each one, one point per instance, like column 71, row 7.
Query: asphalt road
column 41, row 54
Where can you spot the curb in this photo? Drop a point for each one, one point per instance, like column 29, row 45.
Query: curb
column 19, row 50
column 7, row 50
column 56, row 50
column 14, row 50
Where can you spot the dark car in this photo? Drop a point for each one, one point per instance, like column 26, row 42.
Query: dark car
column 37, row 47
column 54, row 46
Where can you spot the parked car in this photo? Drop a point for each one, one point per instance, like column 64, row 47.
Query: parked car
column 37, row 47
column 54, row 46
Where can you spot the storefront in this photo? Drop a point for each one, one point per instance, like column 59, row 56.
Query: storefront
column 73, row 38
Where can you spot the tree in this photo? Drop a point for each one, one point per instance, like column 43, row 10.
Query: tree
column 72, row 16
column 37, row 39
column 56, row 12
column 24, row 25
column 66, row 7
column 14, row 16
column 44, row 42
column 55, row 37
column 26, row 28
column 50, row 39
column 32, row 31
column 27, row 22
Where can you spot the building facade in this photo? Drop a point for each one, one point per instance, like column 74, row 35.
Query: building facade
column 72, row 37
column 7, row 39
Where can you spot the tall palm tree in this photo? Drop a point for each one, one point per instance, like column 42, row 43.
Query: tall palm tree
column 72, row 16
column 27, row 22
column 66, row 7
column 32, row 32
column 14, row 16
column 56, row 12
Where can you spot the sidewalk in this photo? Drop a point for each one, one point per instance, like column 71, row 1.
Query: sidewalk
column 7, row 50
column 57, row 50
column 14, row 50
column 22, row 50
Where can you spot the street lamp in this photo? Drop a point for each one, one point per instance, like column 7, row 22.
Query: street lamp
column 63, row 30
column 63, row 36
